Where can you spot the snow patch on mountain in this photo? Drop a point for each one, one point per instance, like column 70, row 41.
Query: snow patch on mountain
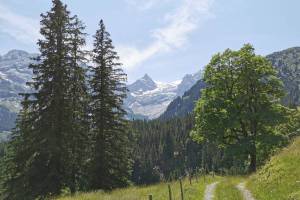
column 149, row 99
column 146, row 98
column 14, row 73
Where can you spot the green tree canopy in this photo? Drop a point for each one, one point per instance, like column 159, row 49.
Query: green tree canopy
column 46, row 152
column 240, row 107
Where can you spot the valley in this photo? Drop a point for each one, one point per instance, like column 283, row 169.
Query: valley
column 172, row 104
column 149, row 100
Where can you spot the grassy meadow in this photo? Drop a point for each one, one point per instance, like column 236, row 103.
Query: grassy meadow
column 279, row 179
column 159, row 191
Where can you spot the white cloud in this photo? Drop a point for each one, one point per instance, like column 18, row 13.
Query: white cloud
column 132, row 57
column 22, row 28
column 179, row 24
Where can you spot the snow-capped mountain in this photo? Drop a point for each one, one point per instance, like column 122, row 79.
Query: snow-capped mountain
column 14, row 73
column 143, row 84
column 146, row 98
column 187, row 82
column 149, row 99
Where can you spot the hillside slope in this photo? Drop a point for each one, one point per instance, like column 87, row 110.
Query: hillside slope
column 279, row 179
column 181, row 106
column 287, row 62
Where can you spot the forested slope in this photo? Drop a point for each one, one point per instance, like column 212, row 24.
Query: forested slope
column 185, row 104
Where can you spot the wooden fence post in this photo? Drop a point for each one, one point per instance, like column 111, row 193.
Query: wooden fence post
column 170, row 192
column 204, row 174
column 190, row 178
column 181, row 189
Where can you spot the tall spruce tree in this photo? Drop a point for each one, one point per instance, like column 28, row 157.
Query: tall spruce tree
column 168, row 158
column 18, row 151
column 110, row 162
column 78, row 139
column 49, row 132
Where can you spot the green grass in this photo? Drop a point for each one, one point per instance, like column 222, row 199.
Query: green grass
column 226, row 189
column 159, row 192
column 279, row 179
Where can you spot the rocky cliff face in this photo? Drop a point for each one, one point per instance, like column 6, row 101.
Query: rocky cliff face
column 287, row 63
column 149, row 99
column 14, row 73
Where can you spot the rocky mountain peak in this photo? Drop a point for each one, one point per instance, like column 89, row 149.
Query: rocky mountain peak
column 145, row 99
column 188, row 81
column 147, row 77
column 15, row 54
column 143, row 84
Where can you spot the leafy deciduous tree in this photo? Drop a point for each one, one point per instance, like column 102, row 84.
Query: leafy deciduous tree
column 240, row 107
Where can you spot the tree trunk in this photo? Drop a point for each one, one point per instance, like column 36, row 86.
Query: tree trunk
column 252, row 167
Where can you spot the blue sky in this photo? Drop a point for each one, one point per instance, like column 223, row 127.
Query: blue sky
column 164, row 38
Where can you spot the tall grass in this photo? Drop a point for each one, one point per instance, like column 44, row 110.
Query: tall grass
column 279, row 179
column 159, row 192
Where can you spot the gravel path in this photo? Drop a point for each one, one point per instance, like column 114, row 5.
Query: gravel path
column 209, row 191
column 246, row 193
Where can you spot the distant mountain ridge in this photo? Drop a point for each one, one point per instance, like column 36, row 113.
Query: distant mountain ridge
column 147, row 99
column 181, row 106
column 14, row 73
column 287, row 62
column 143, row 84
